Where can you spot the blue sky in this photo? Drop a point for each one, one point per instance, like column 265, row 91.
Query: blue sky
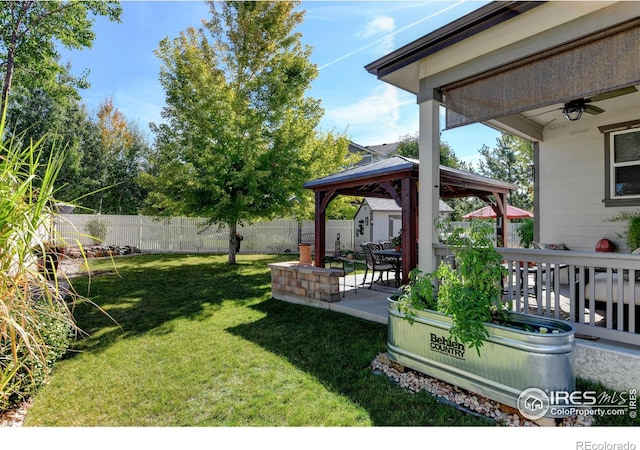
column 344, row 35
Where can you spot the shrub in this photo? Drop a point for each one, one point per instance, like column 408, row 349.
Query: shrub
column 23, row 376
column 33, row 318
column 525, row 232
column 97, row 229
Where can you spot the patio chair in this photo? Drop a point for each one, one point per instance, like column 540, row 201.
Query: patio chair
column 374, row 263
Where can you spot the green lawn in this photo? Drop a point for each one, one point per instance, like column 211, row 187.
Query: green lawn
column 201, row 343
column 197, row 342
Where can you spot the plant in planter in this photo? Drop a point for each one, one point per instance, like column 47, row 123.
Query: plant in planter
column 397, row 241
column 469, row 290
column 438, row 317
column 632, row 234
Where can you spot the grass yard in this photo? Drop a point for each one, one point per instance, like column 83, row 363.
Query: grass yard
column 201, row 343
column 197, row 342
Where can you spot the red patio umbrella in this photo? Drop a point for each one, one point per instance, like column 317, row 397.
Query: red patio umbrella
column 488, row 213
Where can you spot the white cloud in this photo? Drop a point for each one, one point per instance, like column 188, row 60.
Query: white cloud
column 377, row 118
column 382, row 104
column 379, row 24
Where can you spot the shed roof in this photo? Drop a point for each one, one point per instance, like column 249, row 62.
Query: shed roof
column 382, row 204
column 388, row 204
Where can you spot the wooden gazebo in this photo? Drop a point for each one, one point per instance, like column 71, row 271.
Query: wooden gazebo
column 397, row 178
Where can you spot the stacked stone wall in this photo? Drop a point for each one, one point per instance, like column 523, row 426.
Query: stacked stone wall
column 305, row 282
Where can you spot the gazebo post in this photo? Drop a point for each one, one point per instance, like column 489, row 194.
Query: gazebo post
column 323, row 198
column 320, row 228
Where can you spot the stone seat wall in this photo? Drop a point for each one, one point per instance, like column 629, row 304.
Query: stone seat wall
column 295, row 280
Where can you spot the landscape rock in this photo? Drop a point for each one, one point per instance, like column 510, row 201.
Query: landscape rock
column 467, row 401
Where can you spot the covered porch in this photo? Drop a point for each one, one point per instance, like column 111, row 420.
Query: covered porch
column 565, row 77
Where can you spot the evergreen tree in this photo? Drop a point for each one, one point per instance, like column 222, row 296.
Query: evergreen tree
column 510, row 161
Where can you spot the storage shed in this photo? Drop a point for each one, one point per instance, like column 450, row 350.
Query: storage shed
column 380, row 219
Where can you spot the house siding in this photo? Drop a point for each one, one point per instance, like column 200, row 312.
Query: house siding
column 365, row 235
column 578, row 217
column 381, row 224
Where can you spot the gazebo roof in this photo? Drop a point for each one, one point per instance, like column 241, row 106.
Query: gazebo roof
column 461, row 183
column 397, row 177
column 364, row 181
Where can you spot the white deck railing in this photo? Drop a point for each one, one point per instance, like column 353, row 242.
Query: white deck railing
column 597, row 292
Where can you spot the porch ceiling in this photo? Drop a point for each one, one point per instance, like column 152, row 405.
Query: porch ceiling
column 556, row 52
column 544, row 116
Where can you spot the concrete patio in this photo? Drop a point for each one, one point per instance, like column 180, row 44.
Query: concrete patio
column 355, row 299
column 614, row 364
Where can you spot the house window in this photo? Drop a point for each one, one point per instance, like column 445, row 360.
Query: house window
column 622, row 164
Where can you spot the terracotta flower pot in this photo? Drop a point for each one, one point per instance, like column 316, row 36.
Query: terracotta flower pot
column 305, row 254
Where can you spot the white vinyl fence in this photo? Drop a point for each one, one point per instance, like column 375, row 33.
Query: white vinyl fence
column 190, row 235
column 513, row 240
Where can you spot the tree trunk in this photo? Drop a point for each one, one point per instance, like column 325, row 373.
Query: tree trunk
column 232, row 242
column 8, row 76
column 11, row 55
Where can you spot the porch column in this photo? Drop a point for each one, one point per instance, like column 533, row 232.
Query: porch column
column 429, row 179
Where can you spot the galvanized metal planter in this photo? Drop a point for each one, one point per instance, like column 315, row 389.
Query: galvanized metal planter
column 510, row 361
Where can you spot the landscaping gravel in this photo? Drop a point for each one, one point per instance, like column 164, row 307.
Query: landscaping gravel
column 467, row 401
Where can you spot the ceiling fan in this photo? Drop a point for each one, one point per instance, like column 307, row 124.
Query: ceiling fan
column 573, row 110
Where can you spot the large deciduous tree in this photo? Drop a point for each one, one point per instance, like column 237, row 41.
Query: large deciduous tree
column 29, row 32
column 36, row 115
column 240, row 135
column 408, row 146
column 103, row 156
column 113, row 153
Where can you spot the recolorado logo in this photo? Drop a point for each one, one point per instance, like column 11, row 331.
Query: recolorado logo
column 446, row 346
